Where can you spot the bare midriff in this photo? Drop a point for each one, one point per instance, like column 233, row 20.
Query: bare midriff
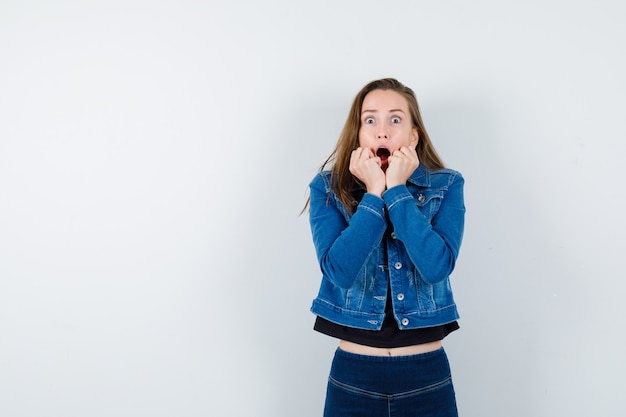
column 398, row 351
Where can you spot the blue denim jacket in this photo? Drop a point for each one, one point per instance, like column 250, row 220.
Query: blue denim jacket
column 407, row 241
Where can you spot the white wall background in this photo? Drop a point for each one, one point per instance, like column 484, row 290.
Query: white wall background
column 154, row 157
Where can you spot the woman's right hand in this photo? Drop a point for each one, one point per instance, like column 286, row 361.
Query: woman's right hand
column 367, row 167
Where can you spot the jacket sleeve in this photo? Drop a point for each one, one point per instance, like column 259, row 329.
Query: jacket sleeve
column 343, row 246
column 433, row 246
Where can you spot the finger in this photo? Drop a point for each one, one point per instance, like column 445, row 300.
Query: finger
column 400, row 153
column 408, row 152
column 367, row 152
column 361, row 153
column 357, row 154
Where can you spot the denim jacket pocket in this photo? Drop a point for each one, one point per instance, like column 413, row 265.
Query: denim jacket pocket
column 356, row 294
column 425, row 295
column 361, row 294
column 428, row 202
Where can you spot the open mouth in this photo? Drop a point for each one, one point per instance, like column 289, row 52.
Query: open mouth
column 383, row 154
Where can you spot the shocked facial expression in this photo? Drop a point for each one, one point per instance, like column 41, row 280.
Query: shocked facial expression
column 386, row 124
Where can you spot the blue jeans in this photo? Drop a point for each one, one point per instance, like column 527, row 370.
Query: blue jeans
column 391, row 386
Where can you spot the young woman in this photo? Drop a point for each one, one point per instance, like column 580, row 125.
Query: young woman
column 387, row 223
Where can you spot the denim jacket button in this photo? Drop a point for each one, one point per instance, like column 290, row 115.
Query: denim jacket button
column 400, row 297
column 393, row 235
column 405, row 321
column 421, row 198
column 398, row 265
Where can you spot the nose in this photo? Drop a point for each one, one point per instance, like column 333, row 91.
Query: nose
column 382, row 133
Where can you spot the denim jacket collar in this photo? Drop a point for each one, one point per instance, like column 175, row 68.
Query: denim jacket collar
column 420, row 177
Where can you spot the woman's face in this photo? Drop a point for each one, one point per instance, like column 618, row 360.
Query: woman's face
column 386, row 124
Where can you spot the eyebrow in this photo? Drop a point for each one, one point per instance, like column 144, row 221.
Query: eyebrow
column 376, row 111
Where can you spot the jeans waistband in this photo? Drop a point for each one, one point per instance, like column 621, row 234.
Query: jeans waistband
column 390, row 374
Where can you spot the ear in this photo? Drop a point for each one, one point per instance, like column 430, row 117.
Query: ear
column 414, row 138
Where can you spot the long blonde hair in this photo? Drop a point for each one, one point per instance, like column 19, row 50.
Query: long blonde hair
column 342, row 181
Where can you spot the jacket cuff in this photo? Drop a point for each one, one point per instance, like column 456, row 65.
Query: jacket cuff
column 373, row 204
column 396, row 194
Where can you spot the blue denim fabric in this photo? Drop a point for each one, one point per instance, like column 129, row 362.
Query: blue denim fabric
column 390, row 386
column 415, row 251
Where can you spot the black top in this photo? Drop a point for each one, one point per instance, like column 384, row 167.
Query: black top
column 389, row 336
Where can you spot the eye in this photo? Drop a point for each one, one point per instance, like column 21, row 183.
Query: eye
column 395, row 120
column 368, row 120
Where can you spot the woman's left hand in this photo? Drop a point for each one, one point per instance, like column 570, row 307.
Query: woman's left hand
column 401, row 165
